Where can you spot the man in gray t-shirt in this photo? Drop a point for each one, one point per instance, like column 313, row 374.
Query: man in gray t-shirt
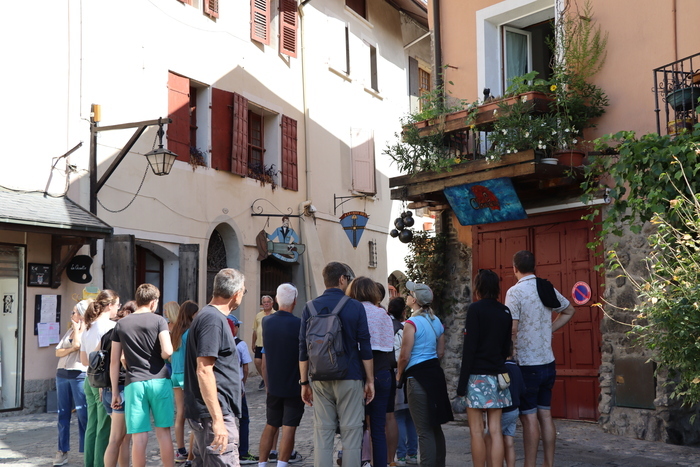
column 144, row 340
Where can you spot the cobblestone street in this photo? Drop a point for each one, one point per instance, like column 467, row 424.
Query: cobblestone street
column 30, row 440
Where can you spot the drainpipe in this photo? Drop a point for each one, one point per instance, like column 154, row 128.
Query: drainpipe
column 675, row 31
column 437, row 48
column 307, row 155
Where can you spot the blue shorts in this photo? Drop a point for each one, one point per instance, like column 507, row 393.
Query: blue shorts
column 508, row 422
column 107, row 400
column 539, row 381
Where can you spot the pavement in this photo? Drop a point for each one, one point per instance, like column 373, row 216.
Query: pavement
column 30, row 440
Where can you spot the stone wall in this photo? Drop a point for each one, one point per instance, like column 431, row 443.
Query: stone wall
column 668, row 421
column 34, row 396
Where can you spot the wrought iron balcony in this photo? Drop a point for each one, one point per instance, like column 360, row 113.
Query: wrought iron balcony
column 676, row 93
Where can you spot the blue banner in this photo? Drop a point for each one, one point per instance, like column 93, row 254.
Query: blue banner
column 485, row 202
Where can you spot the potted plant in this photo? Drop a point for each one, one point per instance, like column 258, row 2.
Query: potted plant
column 198, row 158
column 263, row 174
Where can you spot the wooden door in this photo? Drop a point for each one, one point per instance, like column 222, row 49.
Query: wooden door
column 559, row 245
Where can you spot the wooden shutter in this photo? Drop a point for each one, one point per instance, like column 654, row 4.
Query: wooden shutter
column 289, row 154
column 120, row 265
column 178, row 132
column 358, row 6
column 336, row 40
column 211, row 7
column 186, row 2
column 413, row 77
column 188, row 279
column 288, row 27
column 363, row 161
column 260, row 21
column 239, row 153
column 221, row 129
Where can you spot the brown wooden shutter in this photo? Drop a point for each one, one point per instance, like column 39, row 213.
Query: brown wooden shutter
column 188, row 279
column 221, row 129
column 239, row 154
column 211, row 7
column 288, row 27
column 412, row 76
column 363, row 161
column 120, row 264
column 260, row 21
column 289, row 154
column 178, row 133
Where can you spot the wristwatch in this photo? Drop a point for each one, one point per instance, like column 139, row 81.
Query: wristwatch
column 303, row 383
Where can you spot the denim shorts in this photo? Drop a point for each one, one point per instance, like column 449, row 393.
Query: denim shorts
column 107, row 400
column 539, row 381
column 508, row 422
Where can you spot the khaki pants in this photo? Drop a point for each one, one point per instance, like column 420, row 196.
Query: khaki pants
column 338, row 403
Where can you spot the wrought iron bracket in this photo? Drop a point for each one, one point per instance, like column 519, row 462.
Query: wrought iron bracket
column 259, row 211
column 336, row 204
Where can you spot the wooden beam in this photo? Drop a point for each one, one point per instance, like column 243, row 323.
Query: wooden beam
column 427, row 188
column 58, row 264
column 464, row 168
column 124, row 126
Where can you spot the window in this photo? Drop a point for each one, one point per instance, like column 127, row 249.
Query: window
column 256, row 141
column 288, row 27
column 245, row 135
column 519, row 31
column 12, row 331
column 184, row 97
column 358, row 6
column 362, row 152
column 260, row 21
column 373, row 68
column 423, row 84
column 338, row 44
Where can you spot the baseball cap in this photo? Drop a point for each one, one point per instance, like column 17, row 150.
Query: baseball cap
column 422, row 293
column 235, row 320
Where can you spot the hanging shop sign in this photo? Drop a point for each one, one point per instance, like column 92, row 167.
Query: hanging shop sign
column 354, row 223
column 78, row 270
column 485, row 202
column 284, row 244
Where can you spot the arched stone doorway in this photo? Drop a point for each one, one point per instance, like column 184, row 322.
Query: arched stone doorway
column 223, row 251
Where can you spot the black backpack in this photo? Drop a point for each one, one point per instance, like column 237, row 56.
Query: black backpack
column 324, row 342
column 98, row 371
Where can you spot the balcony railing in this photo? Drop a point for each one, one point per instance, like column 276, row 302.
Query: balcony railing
column 676, row 93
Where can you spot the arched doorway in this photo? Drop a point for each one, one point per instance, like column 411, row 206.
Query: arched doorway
column 273, row 272
column 216, row 259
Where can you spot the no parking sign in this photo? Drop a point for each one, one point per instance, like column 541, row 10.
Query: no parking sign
column 581, row 293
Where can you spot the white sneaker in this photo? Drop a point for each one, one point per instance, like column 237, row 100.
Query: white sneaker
column 61, row 458
column 412, row 460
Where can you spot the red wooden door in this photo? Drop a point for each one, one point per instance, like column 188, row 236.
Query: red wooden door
column 559, row 245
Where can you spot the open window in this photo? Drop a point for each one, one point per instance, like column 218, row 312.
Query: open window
column 186, row 134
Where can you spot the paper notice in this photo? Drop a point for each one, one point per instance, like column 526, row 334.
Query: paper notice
column 48, row 334
column 48, row 308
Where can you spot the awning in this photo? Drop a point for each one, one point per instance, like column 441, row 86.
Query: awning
column 42, row 213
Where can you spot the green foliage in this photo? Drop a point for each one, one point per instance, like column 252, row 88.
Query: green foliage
column 427, row 263
column 669, row 315
column 414, row 153
column 642, row 176
column 518, row 129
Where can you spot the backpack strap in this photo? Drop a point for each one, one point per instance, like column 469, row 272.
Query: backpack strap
column 335, row 311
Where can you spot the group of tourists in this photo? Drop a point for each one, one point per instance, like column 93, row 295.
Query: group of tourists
column 372, row 376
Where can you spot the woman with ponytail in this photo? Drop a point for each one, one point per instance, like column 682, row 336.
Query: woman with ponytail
column 419, row 366
column 98, row 321
column 178, row 335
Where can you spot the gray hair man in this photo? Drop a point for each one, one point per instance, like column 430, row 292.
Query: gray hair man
column 212, row 381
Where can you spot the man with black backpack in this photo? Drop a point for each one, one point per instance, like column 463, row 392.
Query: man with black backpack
column 334, row 356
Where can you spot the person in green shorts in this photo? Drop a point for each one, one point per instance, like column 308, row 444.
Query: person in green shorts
column 144, row 339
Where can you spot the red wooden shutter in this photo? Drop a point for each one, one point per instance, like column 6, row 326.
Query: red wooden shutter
column 288, row 27
column 239, row 154
column 289, row 154
column 211, row 7
column 221, row 129
column 260, row 21
column 363, row 161
column 178, row 132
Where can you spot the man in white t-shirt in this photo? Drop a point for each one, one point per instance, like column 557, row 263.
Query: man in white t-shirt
column 532, row 335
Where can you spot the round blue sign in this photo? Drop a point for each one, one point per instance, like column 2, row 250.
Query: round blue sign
column 581, row 293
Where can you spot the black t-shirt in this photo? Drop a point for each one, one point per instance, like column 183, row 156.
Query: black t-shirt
column 138, row 335
column 210, row 336
column 281, row 337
